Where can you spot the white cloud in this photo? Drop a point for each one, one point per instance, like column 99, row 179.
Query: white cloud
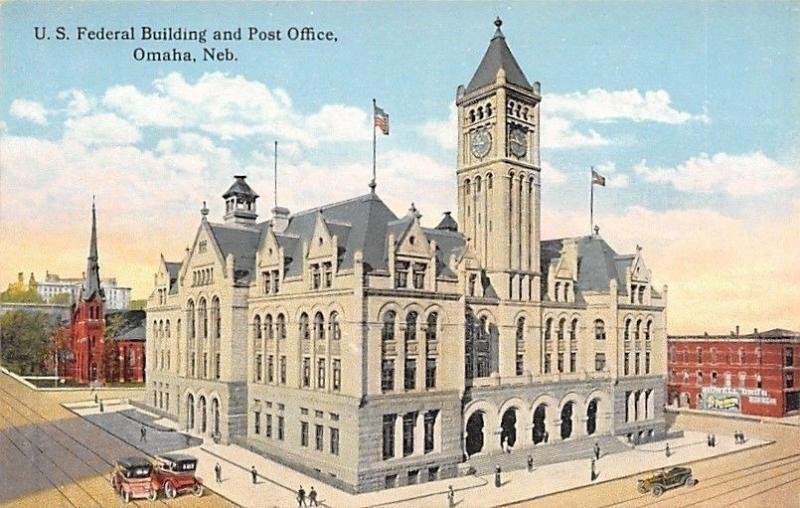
column 559, row 132
column 101, row 129
column 737, row 175
column 233, row 107
column 552, row 176
column 29, row 110
column 601, row 105
column 444, row 132
column 78, row 103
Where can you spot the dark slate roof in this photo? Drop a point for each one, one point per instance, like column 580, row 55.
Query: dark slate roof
column 242, row 242
column 775, row 333
column 448, row 243
column 497, row 57
column 598, row 263
column 91, row 286
column 447, row 223
column 240, row 188
column 134, row 328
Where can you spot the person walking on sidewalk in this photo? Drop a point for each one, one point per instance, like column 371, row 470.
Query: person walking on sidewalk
column 254, row 474
column 451, row 497
column 143, row 435
column 301, row 497
column 497, row 472
column 667, row 451
column 218, row 473
column 593, row 475
column 597, row 451
column 530, row 463
column 312, row 497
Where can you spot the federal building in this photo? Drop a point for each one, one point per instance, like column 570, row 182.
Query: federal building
column 360, row 347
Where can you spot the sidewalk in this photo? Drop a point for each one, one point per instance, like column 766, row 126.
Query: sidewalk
column 277, row 484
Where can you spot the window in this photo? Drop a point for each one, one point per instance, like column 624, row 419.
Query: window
column 387, row 332
column 388, row 436
column 699, row 378
column 333, row 326
column 304, row 434
column 401, row 274
column 390, row 481
column 648, row 331
column 334, row 441
column 727, row 378
column 280, row 325
column 713, row 355
column 641, row 294
column 473, row 278
column 257, row 422
column 636, row 363
column 266, row 277
column 202, row 246
column 305, row 333
column 627, row 364
column 741, row 356
column 548, row 329
column 409, row 420
column 410, row 374
column 626, row 334
column 315, row 276
column 560, row 362
column 788, row 357
column 268, row 330
column 270, row 369
column 599, row 362
column 547, row 363
column 281, row 426
column 282, row 370
column 257, row 368
column 758, row 355
column 205, row 365
column 699, row 355
column 276, row 280
column 430, row 373
column 318, row 437
column 789, row 380
column 328, row 274
column 257, row 327
column 431, row 331
column 419, row 275
column 519, row 364
column 387, row 375
column 337, row 375
column 430, row 425
column 321, row 373
column 742, row 380
column 599, row 330
column 306, row 372
column 672, row 354
column 411, row 326
column 573, row 361
column 647, row 362
column 713, row 379
column 319, row 327
column 413, row 477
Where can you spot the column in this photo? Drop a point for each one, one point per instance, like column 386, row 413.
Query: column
column 419, row 433
column 514, row 226
column 398, row 436
column 524, row 231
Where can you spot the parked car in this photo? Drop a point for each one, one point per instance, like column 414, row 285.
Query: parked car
column 175, row 475
column 133, row 479
column 665, row 480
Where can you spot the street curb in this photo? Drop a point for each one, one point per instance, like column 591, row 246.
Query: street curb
column 153, row 457
column 623, row 477
column 732, row 416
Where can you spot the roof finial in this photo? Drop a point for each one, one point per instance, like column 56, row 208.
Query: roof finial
column 596, row 230
column 498, row 23
column 204, row 211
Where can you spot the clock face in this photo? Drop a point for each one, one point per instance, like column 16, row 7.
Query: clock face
column 481, row 143
column 518, row 142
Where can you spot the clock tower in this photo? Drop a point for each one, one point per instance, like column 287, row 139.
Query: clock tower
column 499, row 171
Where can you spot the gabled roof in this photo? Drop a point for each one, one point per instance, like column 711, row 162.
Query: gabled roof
column 775, row 333
column 242, row 242
column 497, row 57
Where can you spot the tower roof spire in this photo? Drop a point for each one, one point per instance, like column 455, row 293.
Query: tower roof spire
column 497, row 57
column 91, row 286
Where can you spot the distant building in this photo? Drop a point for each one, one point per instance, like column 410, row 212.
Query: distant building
column 749, row 374
column 117, row 297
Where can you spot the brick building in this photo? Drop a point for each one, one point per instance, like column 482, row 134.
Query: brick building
column 749, row 374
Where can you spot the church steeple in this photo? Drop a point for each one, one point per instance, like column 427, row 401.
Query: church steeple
column 91, row 286
column 497, row 57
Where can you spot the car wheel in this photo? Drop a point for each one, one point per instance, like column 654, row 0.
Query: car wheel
column 152, row 495
column 658, row 490
column 169, row 490
column 198, row 490
column 690, row 482
column 126, row 496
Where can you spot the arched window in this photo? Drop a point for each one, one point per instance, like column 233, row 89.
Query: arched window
column 431, row 330
column 520, row 330
column 477, row 184
column 335, row 330
column 280, row 324
column 190, row 319
column 557, row 292
column 319, row 326
column 155, row 329
column 305, row 334
column 488, row 110
column 637, row 331
column 203, row 311
column 489, row 181
column 562, row 324
column 713, row 355
column 411, row 326
column 166, row 329
column 387, row 333
column 648, row 331
column 257, row 327
column 466, row 186
column 573, row 330
column 599, row 329
column 216, row 318
column 548, row 329
column 627, row 332
column 160, row 329
column 268, row 331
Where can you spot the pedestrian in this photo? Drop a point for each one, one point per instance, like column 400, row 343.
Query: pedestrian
column 666, row 451
column 546, row 436
column 497, row 472
column 713, row 440
column 96, row 398
column 301, row 497
column 254, row 474
column 451, row 497
column 143, row 435
column 101, row 406
column 741, row 437
column 530, row 463
column 738, row 437
column 218, row 473
column 708, row 440
column 312, row 497
column 593, row 471
column 597, row 451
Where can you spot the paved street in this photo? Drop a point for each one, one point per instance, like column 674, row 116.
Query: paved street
column 52, row 458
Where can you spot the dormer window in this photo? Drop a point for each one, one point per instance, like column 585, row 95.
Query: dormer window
column 401, row 274
column 419, row 275
column 473, row 278
column 328, row 275
column 267, row 283
column 315, row 276
column 641, row 294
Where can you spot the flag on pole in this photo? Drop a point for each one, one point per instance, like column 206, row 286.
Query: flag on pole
column 381, row 119
column 598, row 179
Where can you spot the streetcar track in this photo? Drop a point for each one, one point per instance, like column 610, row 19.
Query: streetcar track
column 42, row 428
column 695, row 503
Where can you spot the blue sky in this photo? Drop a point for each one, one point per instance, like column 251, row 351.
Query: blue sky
column 690, row 108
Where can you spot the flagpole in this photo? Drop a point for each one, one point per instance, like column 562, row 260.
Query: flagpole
column 591, row 202
column 373, row 184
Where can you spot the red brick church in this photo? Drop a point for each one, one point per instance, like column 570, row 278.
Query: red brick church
column 90, row 355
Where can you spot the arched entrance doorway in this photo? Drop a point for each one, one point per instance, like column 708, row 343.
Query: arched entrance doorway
column 566, row 419
column 190, row 412
column 201, row 404
column 591, row 417
column 474, row 441
column 215, row 415
column 539, row 427
column 508, row 424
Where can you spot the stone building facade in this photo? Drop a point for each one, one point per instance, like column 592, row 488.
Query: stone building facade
column 371, row 352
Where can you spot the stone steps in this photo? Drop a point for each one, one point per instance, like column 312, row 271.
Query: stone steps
column 560, row 451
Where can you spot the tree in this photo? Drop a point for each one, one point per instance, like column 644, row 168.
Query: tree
column 115, row 323
column 26, row 340
column 17, row 295
column 138, row 304
column 62, row 299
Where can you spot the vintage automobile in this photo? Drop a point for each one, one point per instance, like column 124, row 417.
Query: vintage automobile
column 175, row 475
column 133, row 479
column 665, row 480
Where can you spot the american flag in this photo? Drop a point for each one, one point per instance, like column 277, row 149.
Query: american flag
column 381, row 119
column 598, row 179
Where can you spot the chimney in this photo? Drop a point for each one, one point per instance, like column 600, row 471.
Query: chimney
column 755, row 331
column 737, row 330
column 280, row 219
